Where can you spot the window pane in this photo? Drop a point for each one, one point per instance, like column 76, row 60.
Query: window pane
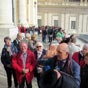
column 39, row 22
column 74, row 0
column 73, row 24
column 55, row 22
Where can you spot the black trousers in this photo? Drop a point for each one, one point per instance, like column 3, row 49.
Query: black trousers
column 9, row 73
column 50, row 39
column 38, row 80
column 22, row 85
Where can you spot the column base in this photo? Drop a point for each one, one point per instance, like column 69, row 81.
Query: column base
column 11, row 32
column 81, row 4
column 72, row 32
column 85, row 4
column 63, row 3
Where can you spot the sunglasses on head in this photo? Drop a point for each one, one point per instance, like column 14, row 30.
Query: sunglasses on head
column 38, row 46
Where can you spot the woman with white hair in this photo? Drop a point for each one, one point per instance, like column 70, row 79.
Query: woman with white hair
column 28, row 41
column 39, row 55
column 51, row 51
column 79, row 56
column 72, row 46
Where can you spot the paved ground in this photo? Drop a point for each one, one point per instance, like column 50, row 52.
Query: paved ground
column 3, row 83
column 84, row 37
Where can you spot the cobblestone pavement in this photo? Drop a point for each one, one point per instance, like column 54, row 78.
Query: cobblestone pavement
column 3, row 83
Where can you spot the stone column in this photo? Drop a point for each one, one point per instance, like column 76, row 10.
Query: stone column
column 85, row 2
column 46, row 18
column 43, row 19
column 67, row 2
column 81, row 2
column 6, row 12
column 7, row 27
column 32, row 12
column 49, row 19
column 35, row 17
column 22, row 12
column 63, row 2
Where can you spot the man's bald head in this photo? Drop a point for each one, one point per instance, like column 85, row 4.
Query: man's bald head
column 85, row 49
column 85, row 46
column 62, row 51
column 19, row 36
column 64, row 47
column 23, row 46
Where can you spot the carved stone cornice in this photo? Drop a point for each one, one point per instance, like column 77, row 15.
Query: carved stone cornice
column 63, row 9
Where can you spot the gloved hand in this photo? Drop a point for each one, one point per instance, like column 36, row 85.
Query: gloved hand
column 46, row 68
column 39, row 69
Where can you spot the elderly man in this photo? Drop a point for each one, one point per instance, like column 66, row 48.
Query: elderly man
column 63, row 62
column 55, row 79
column 16, row 42
column 72, row 46
column 28, row 40
column 24, row 63
column 79, row 56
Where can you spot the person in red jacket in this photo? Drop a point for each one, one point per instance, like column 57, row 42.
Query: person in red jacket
column 79, row 56
column 22, row 29
column 24, row 64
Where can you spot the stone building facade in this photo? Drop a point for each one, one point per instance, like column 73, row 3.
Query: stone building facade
column 14, row 13
column 71, row 15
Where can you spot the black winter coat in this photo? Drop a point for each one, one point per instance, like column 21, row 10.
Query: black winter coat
column 66, row 81
column 84, row 77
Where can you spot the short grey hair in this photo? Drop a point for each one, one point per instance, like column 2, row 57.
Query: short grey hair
column 22, row 41
column 85, row 46
column 39, row 44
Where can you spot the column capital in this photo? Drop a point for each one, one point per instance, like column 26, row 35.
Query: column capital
column 86, row 3
column 81, row 2
column 67, row 2
column 6, row 11
column 23, row 12
column 7, row 27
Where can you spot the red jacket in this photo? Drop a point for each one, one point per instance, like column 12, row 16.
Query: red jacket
column 77, row 59
column 22, row 29
column 18, row 66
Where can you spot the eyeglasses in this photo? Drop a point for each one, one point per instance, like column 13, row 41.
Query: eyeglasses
column 38, row 46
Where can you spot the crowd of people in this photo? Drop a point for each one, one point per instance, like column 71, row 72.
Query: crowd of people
column 61, row 65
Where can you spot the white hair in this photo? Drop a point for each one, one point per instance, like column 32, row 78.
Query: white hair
column 27, row 35
column 85, row 46
column 39, row 44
